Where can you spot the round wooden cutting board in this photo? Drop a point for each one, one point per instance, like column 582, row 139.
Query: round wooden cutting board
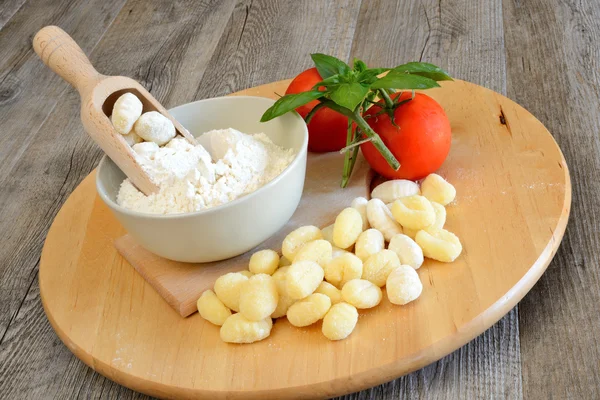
column 514, row 196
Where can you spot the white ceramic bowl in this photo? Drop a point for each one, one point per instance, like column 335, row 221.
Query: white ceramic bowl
column 232, row 228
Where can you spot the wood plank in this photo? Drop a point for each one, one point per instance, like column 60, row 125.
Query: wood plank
column 8, row 9
column 552, row 72
column 29, row 91
column 267, row 41
column 29, row 94
column 466, row 37
column 168, row 45
column 32, row 173
column 60, row 154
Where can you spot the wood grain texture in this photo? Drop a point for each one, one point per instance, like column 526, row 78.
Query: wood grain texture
column 466, row 38
column 168, row 45
column 37, row 151
column 112, row 320
column 482, row 369
column 23, row 77
column 551, row 55
column 60, row 154
column 8, row 9
column 554, row 73
column 50, row 370
column 245, row 58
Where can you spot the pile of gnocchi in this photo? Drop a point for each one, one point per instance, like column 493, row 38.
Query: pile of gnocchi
column 128, row 120
column 329, row 274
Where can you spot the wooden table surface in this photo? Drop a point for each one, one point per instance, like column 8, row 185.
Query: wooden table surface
column 544, row 54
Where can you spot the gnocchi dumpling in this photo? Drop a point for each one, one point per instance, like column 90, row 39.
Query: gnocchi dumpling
column 228, row 288
column 361, row 293
column 403, row 285
column 437, row 189
column 340, row 321
column 303, row 277
column 258, row 297
column 212, row 309
column 343, row 269
column 285, row 301
column 239, row 329
column 408, row 251
column 440, row 216
column 319, row 251
column 439, row 245
column 297, row 238
column 440, row 220
column 264, row 262
column 126, row 110
column 414, row 212
column 382, row 219
column 246, row 273
column 336, row 252
column 334, row 294
column 327, row 233
column 360, row 204
column 132, row 139
column 391, row 191
column 155, row 127
column 377, row 267
column 284, row 262
column 368, row 243
column 308, row 310
column 348, row 225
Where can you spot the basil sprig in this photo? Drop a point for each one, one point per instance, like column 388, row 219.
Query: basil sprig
column 351, row 90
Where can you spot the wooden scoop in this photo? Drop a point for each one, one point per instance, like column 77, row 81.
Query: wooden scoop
column 98, row 95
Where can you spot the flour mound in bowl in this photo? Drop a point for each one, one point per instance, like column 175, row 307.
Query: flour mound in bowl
column 193, row 178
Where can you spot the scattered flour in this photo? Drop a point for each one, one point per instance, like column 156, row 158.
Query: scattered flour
column 190, row 180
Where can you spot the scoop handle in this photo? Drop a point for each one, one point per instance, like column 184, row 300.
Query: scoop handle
column 60, row 52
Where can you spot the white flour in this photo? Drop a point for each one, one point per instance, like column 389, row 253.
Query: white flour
column 190, row 180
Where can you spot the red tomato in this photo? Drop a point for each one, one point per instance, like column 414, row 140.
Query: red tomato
column 420, row 144
column 327, row 129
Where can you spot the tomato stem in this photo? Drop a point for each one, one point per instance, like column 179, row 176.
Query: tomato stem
column 354, row 144
column 390, row 105
column 353, row 160
column 357, row 118
column 386, row 97
column 376, row 140
column 349, row 158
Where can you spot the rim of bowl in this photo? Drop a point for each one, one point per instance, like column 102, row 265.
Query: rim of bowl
column 233, row 203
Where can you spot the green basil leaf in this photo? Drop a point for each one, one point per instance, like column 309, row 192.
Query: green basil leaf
column 350, row 77
column 359, row 65
column 329, row 65
column 349, row 95
column 369, row 76
column 290, row 102
column 332, row 80
column 395, row 80
column 423, row 69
